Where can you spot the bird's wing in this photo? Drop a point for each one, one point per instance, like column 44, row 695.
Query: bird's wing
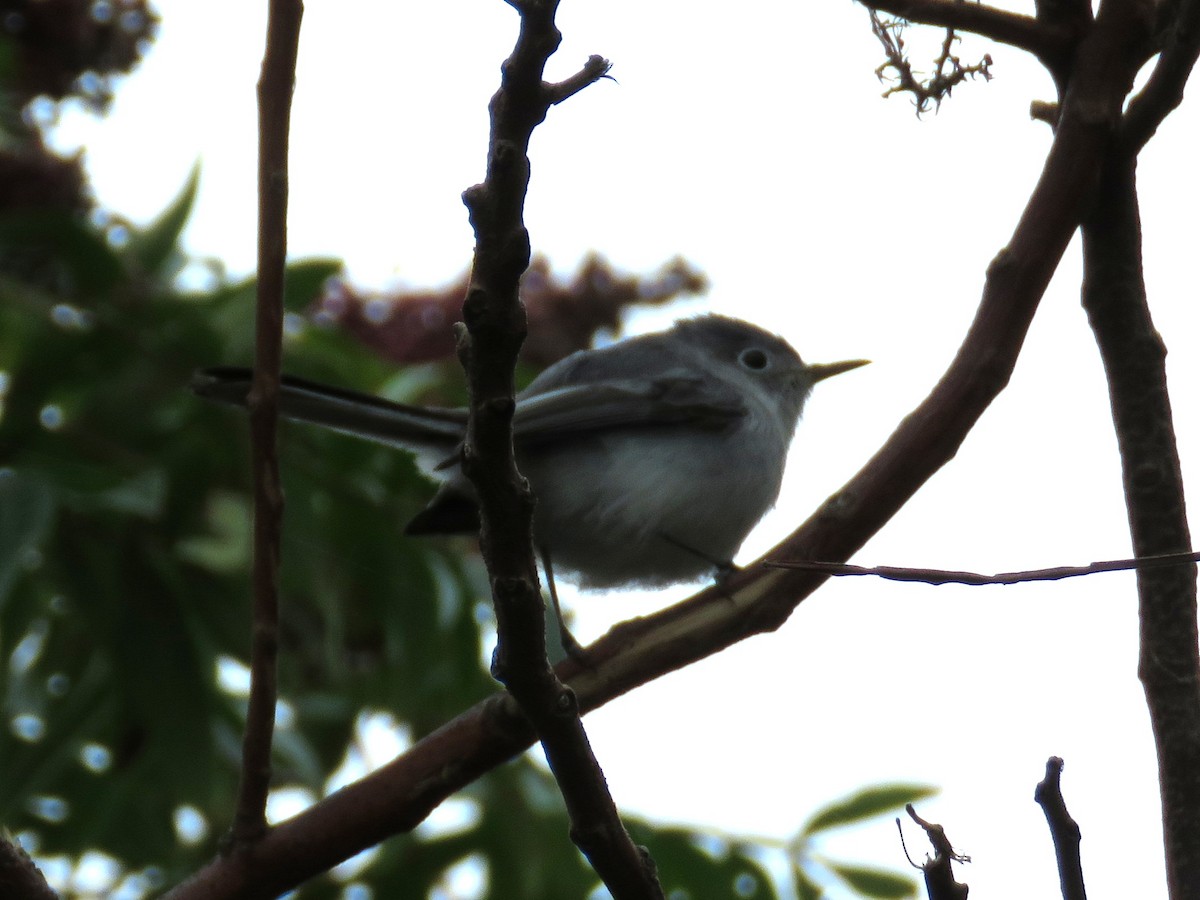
column 624, row 403
column 542, row 414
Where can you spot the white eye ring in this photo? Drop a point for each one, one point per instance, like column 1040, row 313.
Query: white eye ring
column 754, row 359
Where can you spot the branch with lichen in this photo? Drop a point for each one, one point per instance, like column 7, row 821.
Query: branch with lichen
column 1051, row 42
column 948, row 69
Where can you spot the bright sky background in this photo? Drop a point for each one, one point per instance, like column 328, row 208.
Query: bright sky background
column 752, row 140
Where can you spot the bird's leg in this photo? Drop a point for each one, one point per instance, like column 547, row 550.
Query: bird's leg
column 723, row 568
column 570, row 646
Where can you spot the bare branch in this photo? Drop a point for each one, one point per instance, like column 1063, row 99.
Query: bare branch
column 1134, row 358
column 19, row 877
column 488, row 346
column 947, row 576
column 593, row 70
column 1064, row 831
column 1164, row 90
column 274, row 111
column 948, row 70
column 1051, row 44
column 1044, row 111
column 940, row 883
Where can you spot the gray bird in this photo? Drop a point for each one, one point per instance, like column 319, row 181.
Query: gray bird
column 651, row 459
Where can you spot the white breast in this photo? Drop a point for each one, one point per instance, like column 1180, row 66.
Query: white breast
column 620, row 509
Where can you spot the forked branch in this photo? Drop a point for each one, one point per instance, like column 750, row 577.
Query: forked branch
column 1051, row 44
column 948, row 69
column 488, row 346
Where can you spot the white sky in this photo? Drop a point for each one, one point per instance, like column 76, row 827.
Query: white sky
column 756, row 145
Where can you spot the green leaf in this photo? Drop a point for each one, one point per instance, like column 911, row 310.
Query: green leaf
column 60, row 250
column 806, row 888
column 154, row 245
column 225, row 547
column 703, row 867
column 91, row 488
column 26, row 511
column 866, row 803
column 304, row 280
column 140, row 495
column 876, row 882
column 519, row 821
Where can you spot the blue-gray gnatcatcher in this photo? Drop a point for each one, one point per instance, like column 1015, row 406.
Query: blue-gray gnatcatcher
column 651, row 459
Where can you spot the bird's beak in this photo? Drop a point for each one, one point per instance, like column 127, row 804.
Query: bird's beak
column 821, row 371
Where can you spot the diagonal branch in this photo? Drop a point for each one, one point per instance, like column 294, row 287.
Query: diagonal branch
column 751, row 601
column 19, row 877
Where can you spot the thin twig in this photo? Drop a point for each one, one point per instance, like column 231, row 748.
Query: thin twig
column 274, row 110
column 495, row 328
column 949, row 576
column 940, row 883
column 948, row 69
column 593, row 70
column 1064, row 831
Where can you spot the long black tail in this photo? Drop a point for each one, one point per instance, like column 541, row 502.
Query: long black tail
column 429, row 431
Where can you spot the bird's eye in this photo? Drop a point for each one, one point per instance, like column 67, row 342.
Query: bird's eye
column 754, row 359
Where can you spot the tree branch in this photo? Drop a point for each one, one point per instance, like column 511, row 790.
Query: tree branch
column 1050, row 43
column 948, row 70
column 752, row 601
column 947, row 576
column 593, row 70
column 398, row 796
column 940, row 883
column 19, row 877
column 1064, row 831
column 495, row 328
column 1133, row 354
column 274, row 112
column 1163, row 91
